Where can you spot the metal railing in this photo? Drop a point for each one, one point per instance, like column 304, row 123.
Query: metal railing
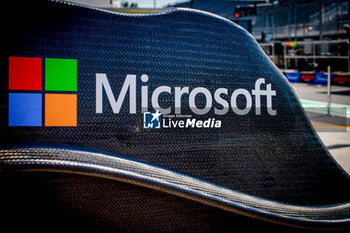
column 315, row 50
column 304, row 30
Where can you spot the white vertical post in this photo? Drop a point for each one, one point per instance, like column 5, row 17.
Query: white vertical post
column 348, row 53
column 285, row 55
column 329, row 90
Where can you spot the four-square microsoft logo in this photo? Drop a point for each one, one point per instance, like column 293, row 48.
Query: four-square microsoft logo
column 34, row 103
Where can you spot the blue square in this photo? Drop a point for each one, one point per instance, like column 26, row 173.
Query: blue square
column 151, row 120
column 25, row 109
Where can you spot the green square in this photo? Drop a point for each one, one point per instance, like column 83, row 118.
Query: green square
column 60, row 74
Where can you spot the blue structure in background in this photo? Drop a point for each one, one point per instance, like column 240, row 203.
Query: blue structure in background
column 321, row 78
column 293, row 76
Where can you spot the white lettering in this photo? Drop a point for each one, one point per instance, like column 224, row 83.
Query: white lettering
column 269, row 93
column 155, row 98
column 144, row 94
column 129, row 84
column 192, row 100
column 234, row 101
column 178, row 94
column 190, row 122
column 221, row 101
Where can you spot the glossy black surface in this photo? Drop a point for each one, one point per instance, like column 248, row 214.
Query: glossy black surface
column 274, row 157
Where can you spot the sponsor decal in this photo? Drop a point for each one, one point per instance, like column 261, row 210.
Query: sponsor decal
column 171, row 115
column 43, row 92
column 38, row 101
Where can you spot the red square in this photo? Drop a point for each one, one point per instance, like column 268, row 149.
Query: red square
column 25, row 73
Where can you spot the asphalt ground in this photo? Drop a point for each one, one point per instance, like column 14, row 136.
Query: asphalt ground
column 333, row 129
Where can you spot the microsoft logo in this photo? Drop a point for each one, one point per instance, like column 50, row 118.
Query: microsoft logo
column 38, row 101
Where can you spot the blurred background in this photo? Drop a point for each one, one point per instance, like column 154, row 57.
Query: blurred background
column 300, row 35
column 308, row 40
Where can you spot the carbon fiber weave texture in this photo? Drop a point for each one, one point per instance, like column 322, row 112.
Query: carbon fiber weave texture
column 274, row 157
column 107, row 206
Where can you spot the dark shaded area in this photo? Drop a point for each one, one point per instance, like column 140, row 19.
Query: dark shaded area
column 337, row 146
column 347, row 93
column 275, row 157
column 37, row 202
